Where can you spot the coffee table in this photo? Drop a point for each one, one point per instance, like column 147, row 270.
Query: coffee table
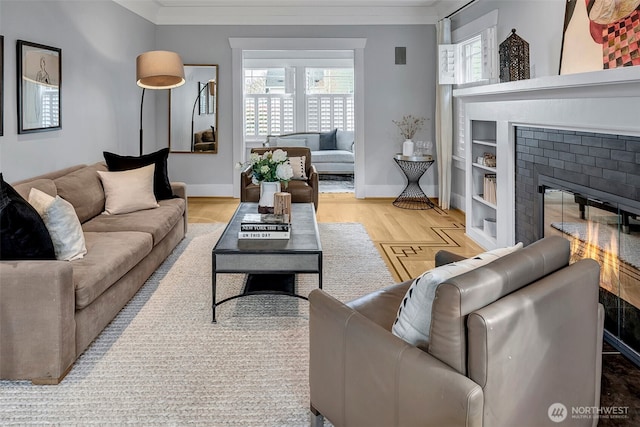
column 270, row 265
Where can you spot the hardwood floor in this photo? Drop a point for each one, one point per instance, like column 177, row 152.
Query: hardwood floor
column 406, row 239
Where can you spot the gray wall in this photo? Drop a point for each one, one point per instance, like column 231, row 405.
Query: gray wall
column 540, row 23
column 99, row 98
column 390, row 92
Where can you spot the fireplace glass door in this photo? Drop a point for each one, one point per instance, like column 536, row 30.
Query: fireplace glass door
column 604, row 231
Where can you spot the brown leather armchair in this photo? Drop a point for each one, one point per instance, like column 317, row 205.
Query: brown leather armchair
column 301, row 191
column 508, row 340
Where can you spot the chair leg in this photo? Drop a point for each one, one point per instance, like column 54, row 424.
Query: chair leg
column 315, row 418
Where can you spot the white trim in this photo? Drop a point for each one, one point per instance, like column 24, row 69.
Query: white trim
column 475, row 27
column 282, row 15
column 209, row 190
column 282, row 43
column 239, row 44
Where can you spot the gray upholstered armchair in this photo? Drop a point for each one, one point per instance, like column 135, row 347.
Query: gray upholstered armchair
column 508, row 340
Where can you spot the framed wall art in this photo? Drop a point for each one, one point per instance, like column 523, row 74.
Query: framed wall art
column 39, row 82
column 600, row 35
column 1, row 85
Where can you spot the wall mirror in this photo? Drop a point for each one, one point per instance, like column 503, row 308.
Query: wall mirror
column 193, row 111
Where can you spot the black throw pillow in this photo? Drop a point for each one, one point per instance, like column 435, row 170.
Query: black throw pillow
column 23, row 235
column 161, row 184
column 328, row 140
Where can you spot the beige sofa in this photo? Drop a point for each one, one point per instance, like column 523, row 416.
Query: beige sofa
column 510, row 342
column 50, row 311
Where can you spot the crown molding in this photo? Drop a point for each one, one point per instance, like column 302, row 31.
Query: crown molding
column 350, row 13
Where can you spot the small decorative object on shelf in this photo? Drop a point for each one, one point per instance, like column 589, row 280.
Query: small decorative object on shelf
column 514, row 58
column 490, row 188
column 267, row 192
column 282, row 204
column 407, row 148
column 409, row 126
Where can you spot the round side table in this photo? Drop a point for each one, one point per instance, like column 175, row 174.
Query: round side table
column 413, row 167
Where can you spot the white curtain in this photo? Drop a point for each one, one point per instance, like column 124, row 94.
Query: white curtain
column 444, row 124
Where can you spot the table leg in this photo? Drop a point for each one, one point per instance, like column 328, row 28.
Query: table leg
column 213, row 288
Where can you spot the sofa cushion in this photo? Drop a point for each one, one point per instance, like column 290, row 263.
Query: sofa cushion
column 109, row 256
column 299, row 167
column 344, row 140
column 332, row 156
column 413, row 321
column 328, row 140
column 291, row 142
column 43, row 184
column 157, row 222
column 82, row 188
column 62, row 222
column 161, row 184
column 23, row 234
column 128, row 191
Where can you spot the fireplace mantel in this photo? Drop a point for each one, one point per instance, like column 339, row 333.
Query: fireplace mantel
column 619, row 82
column 605, row 102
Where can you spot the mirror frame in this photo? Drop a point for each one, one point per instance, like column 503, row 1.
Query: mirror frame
column 215, row 109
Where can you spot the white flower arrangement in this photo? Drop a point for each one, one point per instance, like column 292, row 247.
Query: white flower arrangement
column 272, row 166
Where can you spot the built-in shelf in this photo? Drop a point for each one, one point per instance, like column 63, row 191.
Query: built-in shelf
column 487, row 142
column 487, row 168
column 478, row 198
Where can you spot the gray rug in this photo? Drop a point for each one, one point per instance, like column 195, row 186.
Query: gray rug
column 162, row 361
column 336, row 184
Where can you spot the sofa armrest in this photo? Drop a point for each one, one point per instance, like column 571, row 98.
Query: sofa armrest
column 180, row 190
column 361, row 374
column 314, row 183
column 37, row 320
column 245, row 180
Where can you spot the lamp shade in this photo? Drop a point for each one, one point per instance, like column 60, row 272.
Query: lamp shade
column 159, row 69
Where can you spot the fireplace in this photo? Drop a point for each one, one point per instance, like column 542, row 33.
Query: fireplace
column 586, row 187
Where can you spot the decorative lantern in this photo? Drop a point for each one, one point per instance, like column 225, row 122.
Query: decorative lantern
column 514, row 58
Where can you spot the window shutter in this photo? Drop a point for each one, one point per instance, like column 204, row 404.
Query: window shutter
column 489, row 56
column 447, row 64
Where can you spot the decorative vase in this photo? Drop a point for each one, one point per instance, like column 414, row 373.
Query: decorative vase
column 267, row 191
column 407, row 148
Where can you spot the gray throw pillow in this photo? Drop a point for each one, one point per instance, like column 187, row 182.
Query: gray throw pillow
column 328, row 140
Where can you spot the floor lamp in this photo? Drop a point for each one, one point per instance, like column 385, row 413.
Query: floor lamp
column 211, row 85
column 158, row 69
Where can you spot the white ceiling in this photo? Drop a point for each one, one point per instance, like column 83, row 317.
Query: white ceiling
column 292, row 12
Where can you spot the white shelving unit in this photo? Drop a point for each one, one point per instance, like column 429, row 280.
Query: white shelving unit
column 482, row 140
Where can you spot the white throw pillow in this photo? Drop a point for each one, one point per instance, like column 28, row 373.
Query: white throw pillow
column 413, row 321
column 291, row 142
column 298, row 164
column 63, row 224
column 128, row 191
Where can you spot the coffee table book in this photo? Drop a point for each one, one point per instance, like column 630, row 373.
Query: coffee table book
column 266, row 223
column 264, row 235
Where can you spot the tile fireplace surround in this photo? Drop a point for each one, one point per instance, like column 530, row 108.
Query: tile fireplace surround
column 597, row 116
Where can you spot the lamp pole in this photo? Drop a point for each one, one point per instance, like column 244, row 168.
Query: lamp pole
column 193, row 112
column 141, row 104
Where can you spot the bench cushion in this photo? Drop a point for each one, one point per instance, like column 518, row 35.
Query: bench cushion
column 332, row 156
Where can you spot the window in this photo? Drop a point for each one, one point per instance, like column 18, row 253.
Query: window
column 473, row 60
column 329, row 99
column 273, row 105
column 269, row 109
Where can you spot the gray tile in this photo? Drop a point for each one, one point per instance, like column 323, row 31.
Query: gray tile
column 572, row 139
column 614, row 144
column 567, row 157
column 554, row 163
column 585, row 160
column 633, row 145
column 573, row 167
column 553, row 154
column 547, row 145
column 574, row 177
column 592, row 141
column 541, row 160
column 624, row 156
column 628, row 167
column 592, row 171
column 579, row 149
column 604, row 153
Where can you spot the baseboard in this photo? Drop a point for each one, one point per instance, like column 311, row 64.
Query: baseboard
column 210, row 190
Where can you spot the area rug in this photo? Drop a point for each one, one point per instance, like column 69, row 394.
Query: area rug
column 162, row 362
column 336, row 184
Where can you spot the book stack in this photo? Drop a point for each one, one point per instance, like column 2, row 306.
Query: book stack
column 265, row 226
column 490, row 188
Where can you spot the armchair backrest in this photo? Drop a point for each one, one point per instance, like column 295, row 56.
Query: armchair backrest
column 291, row 152
column 459, row 296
